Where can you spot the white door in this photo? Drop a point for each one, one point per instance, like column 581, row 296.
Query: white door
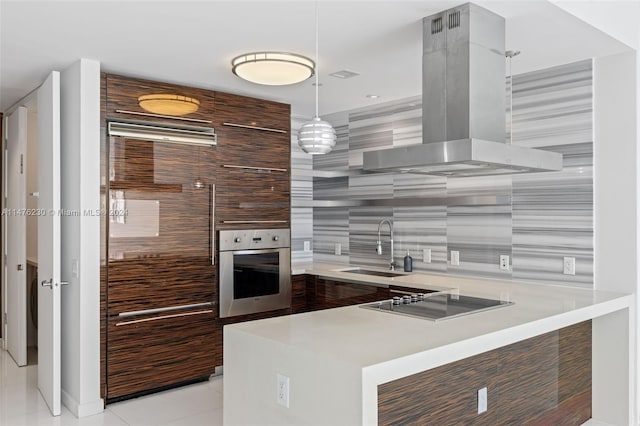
column 49, row 242
column 16, row 226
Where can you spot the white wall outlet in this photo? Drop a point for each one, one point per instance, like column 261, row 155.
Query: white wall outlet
column 482, row 400
column 337, row 248
column 504, row 262
column 282, row 393
column 455, row 257
column 426, row 255
column 569, row 266
column 307, row 246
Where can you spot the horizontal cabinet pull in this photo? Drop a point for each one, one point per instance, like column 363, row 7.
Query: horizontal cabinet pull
column 265, row 129
column 147, row 114
column 184, row 314
column 255, row 221
column 167, row 309
column 268, row 169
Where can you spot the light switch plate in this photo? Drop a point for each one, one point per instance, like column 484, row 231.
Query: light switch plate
column 337, row 249
column 426, row 255
column 307, row 246
column 455, row 257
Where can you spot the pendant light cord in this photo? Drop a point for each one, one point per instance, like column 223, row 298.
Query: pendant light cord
column 317, row 84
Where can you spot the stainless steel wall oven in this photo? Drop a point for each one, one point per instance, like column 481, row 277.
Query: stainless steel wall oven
column 255, row 271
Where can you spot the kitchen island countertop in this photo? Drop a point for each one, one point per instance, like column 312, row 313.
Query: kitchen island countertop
column 362, row 348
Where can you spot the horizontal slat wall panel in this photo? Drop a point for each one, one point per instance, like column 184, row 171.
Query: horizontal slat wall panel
column 150, row 355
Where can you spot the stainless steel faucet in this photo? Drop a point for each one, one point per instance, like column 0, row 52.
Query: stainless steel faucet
column 392, row 264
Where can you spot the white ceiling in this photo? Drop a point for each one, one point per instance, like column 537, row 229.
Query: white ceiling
column 192, row 43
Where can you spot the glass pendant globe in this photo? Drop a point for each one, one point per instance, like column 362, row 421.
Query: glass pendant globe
column 317, row 137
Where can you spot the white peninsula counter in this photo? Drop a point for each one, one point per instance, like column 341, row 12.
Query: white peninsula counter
column 336, row 358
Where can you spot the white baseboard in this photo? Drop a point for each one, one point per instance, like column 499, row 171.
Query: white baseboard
column 82, row 410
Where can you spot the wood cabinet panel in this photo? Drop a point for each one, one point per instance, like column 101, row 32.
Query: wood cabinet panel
column 149, row 355
column 326, row 294
column 299, row 293
column 250, row 195
column 253, row 112
column 543, row 380
column 123, row 92
column 161, row 282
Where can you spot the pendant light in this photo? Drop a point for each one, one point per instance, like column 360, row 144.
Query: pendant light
column 316, row 136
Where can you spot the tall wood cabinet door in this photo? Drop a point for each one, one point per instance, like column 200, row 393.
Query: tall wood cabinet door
column 254, row 154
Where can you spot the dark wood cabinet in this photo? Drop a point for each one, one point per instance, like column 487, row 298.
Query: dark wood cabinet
column 325, row 293
column 254, row 158
column 544, row 380
column 147, row 354
column 159, row 289
column 122, row 101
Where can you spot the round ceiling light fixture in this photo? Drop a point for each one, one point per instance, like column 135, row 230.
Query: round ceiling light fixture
column 317, row 136
column 168, row 104
column 273, row 68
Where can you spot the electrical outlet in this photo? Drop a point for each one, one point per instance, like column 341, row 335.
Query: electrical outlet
column 307, row 246
column 282, row 392
column 504, row 262
column 569, row 266
column 337, row 248
column 455, row 257
column 426, row 255
column 482, row 400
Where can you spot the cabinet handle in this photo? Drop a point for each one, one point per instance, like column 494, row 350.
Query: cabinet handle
column 254, row 221
column 167, row 309
column 268, row 169
column 213, row 224
column 184, row 314
column 265, row 129
column 147, row 114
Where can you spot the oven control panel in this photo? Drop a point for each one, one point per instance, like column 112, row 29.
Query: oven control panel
column 252, row 239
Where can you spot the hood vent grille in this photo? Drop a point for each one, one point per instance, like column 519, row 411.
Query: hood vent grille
column 454, row 19
column 436, row 25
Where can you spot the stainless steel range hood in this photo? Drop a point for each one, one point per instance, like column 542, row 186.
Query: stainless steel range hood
column 463, row 104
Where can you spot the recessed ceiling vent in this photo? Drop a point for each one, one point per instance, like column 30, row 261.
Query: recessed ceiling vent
column 344, row 74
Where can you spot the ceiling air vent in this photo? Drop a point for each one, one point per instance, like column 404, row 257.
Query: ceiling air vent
column 436, row 25
column 454, row 19
column 344, row 74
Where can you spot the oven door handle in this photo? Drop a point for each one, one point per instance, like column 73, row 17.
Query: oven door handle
column 259, row 251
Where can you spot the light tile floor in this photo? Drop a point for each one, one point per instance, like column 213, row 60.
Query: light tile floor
column 21, row 404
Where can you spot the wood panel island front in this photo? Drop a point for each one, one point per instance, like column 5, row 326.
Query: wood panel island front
column 558, row 355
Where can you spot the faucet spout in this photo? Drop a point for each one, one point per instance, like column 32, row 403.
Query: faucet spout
column 392, row 263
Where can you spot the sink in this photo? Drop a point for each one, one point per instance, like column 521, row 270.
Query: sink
column 373, row 272
column 439, row 306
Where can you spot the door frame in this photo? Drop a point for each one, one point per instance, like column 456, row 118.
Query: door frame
column 29, row 101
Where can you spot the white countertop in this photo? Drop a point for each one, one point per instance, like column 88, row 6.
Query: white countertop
column 385, row 346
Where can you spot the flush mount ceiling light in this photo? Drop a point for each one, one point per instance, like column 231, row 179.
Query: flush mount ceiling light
column 273, row 68
column 317, row 136
column 167, row 104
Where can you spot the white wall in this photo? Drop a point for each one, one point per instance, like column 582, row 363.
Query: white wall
column 80, row 191
column 616, row 254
